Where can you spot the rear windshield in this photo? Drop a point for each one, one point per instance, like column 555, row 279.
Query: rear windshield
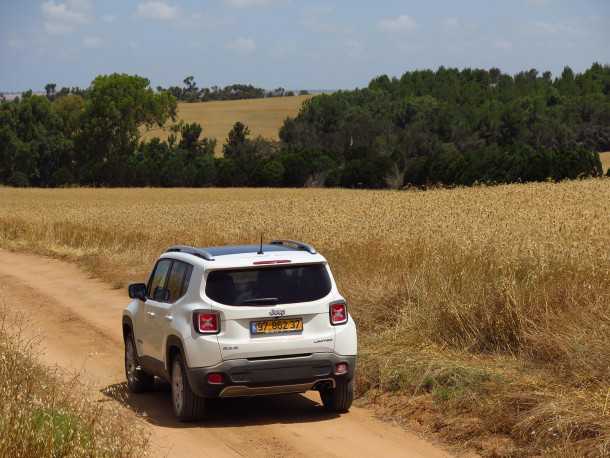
column 268, row 285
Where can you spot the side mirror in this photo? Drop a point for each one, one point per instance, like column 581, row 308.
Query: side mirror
column 137, row 291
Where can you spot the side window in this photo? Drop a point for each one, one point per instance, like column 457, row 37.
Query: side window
column 157, row 280
column 177, row 283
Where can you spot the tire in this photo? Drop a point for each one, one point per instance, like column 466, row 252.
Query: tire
column 138, row 381
column 187, row 405
column 338, row 399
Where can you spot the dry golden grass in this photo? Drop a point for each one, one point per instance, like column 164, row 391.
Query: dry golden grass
column 42, row 415
column 484, row 313
column 263, row 116
column 605, row 157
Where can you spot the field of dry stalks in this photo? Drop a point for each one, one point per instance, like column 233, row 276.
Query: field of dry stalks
column 45, row 415
column 262, row 116
column 484, row 313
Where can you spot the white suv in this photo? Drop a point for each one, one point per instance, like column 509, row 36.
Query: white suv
column 240, row 321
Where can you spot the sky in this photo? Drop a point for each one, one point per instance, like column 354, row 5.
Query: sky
column 296, row 44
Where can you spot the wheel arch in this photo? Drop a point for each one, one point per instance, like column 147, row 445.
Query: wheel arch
column 173, row 346
column 127, row 327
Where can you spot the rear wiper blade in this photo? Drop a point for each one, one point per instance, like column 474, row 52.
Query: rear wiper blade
column 262, row 300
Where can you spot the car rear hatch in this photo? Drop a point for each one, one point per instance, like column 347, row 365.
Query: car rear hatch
column 272, row 311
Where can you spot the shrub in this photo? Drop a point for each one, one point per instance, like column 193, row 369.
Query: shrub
column 19, row 180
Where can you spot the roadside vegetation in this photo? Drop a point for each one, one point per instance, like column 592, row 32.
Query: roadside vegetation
column 427, row 128
column 44, row 414
column 483, row 312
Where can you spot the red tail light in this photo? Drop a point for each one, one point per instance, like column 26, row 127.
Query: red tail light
column 341, row 368
column 215, row 379
column 338, row 313
column 206, row 322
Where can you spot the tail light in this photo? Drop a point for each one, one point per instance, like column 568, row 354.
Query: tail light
column 341, row 368
column 215, row 379
column 206, row 322
column 338, row 313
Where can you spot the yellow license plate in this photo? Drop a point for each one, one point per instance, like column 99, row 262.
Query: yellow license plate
column 276, row 326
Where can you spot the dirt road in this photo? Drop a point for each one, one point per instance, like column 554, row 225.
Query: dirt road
column 77, row 320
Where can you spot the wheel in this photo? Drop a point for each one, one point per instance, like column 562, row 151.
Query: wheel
column 138, row 381
column 187, row 405
column 338, row 399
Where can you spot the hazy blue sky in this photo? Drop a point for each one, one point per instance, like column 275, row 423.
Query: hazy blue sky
column 293, row 43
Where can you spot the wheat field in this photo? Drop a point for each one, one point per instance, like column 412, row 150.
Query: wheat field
column 484, row 313
column 263, row 116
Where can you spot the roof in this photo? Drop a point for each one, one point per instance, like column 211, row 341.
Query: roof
column 245, row 255
column 243, row 249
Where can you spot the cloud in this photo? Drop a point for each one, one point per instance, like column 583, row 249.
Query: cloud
column 92, row 42
column 62, row 18
column 316, row 19
column 503, row 44
column 250, row 3
column 243, row 45
column 460, row 27
column 157, row 10
column 108, row 18
column 401, row 23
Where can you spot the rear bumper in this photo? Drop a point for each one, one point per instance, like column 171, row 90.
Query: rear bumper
column 253, row 377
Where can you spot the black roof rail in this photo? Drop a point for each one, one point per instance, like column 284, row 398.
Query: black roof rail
column 190, row 250
column 296, row 244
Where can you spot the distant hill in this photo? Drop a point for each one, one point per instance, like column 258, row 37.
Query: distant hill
column 262, row 116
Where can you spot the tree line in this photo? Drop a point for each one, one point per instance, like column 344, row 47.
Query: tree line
column 190, row 92
column 454, row 127
column 427, row 128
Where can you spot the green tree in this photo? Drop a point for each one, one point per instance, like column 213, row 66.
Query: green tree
column 190, row 92
column 236, row 141
column 116, row 107
column 50, row 90
column 271, row 173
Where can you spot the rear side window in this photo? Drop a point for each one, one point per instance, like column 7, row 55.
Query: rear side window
column 157, row 279
column 177, row 283
column 268, row 285
column 169, row 281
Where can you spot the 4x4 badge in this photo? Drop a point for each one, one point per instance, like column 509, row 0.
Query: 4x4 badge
column 277, row 312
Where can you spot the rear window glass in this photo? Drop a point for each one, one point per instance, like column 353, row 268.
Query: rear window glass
column 268, row 285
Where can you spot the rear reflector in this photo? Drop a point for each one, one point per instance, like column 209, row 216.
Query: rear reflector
column 338, row 313
column 275, row 261
column 215, row 379
column 341, row 368
column 207, row 323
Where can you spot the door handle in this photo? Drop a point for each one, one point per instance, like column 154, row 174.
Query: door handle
column 151, row 314
column 168, row 317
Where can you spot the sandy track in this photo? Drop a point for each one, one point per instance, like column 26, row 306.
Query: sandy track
column 77, row 319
